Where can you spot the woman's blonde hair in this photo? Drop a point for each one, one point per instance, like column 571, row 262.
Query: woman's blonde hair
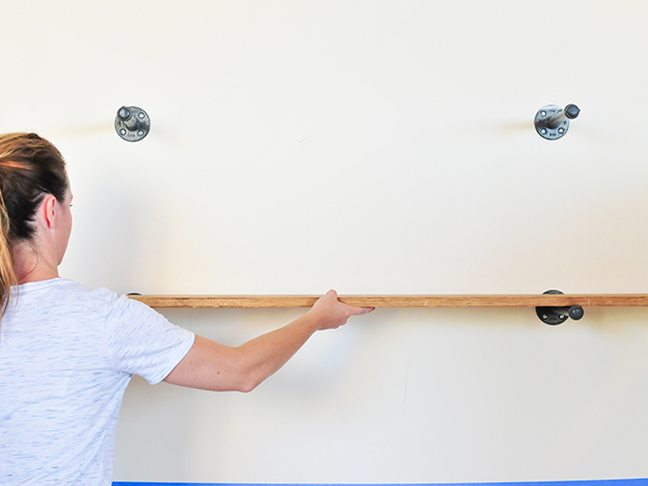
column 30, row 168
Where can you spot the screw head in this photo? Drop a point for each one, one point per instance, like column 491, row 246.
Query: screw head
column 124, row 113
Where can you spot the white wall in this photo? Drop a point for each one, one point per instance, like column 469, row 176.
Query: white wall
column 376, row 147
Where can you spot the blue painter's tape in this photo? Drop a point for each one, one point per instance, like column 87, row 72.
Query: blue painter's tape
column 597, row 482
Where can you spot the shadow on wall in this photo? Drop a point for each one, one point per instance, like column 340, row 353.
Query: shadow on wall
column 597, row 248
column 107, row 241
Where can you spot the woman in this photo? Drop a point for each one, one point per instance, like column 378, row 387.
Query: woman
column 67, row 353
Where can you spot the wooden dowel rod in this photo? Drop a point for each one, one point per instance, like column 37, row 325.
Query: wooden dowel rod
column 293, row 301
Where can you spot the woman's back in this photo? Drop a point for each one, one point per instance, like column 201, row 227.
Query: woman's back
column 66, row 357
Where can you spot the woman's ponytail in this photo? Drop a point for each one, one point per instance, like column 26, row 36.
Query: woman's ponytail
column 7, row 275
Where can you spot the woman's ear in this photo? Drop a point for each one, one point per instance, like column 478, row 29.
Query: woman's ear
column 48, row 209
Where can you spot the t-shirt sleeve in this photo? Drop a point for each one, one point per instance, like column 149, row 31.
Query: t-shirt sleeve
column 143, row 342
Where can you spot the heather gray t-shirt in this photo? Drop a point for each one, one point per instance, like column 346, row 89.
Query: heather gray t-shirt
column 66, row 356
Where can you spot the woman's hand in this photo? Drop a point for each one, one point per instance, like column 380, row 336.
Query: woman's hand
column 330, row 313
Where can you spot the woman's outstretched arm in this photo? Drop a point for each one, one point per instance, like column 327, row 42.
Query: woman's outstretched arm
column 212, row 366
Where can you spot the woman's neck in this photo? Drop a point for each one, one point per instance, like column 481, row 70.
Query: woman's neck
column 30, row 265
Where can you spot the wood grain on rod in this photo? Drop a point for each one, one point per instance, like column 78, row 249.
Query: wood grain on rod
column 293, row 301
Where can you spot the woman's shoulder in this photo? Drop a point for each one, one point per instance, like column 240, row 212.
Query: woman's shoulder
column 64, row 295
column 58, row 286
